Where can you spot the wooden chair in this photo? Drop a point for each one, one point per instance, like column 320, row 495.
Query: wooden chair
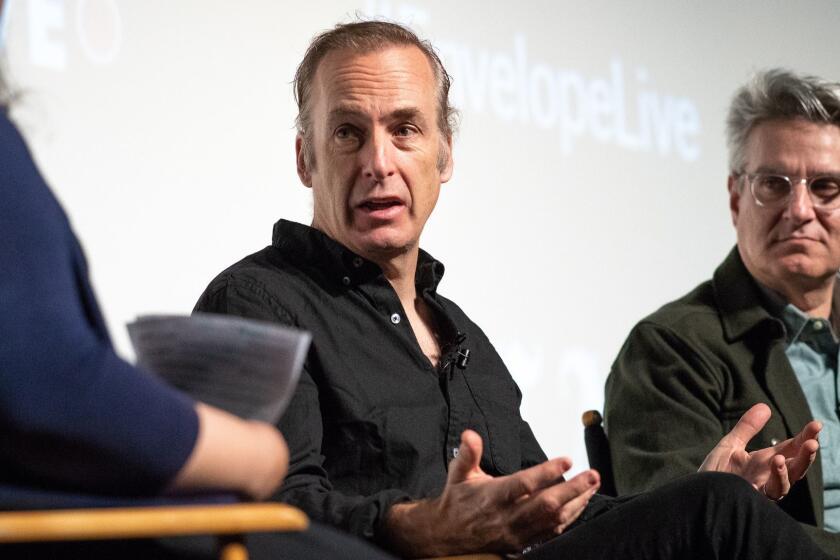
column 228, row 522
column 42, row 516
column 598, row 450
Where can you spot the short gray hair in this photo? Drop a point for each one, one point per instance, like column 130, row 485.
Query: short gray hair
column 364, row 37
column 777, row 93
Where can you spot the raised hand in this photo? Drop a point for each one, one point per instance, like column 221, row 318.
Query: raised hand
column 477, row 512
column 771, row 470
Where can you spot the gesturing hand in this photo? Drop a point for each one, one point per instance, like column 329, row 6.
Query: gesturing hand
column 477, row 512
column 771, row 470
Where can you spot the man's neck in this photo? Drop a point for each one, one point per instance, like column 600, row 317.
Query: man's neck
column 400, row 271
column 813, row 299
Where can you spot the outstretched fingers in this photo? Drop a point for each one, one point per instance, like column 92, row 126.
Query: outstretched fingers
column 806, row 454
column 551, row 510
column 778, row 482
column 528, row 481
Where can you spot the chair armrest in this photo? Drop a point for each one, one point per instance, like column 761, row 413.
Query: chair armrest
column 148, row 522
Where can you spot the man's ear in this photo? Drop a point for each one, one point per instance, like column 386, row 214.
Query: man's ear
column 445, row 160
column 734, row 187
column 302, row 164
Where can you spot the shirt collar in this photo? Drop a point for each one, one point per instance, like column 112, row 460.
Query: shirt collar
column 795, row 320
column 311, row 247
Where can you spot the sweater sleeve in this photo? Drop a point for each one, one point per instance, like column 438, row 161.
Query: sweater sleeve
column 74, row 416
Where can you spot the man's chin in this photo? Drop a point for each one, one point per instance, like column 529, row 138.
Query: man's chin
column 384, row 246
column 806, row 268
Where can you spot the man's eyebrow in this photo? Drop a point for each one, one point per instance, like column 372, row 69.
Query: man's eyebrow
column 771, row 170
column 344, row 111
column 402, row 114
column 407, row 114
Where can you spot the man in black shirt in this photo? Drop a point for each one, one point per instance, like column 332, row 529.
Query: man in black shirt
column 405, row 428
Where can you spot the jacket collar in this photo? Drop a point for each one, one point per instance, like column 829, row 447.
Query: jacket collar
column 743, row 303
column 739, row 299
column 743, row 310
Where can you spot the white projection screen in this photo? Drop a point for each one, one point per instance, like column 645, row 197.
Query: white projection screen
column 590, row 167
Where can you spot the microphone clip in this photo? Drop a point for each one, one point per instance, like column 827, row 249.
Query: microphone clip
column 463, row 358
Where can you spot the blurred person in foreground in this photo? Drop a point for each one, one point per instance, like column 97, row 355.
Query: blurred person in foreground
column 79, row 421
column 405, row 426
column 764, row 328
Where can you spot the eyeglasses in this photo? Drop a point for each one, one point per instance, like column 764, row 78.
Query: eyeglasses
column 771, row 190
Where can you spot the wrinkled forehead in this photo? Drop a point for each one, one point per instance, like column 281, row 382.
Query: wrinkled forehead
column 389, row 75
column 791, row 145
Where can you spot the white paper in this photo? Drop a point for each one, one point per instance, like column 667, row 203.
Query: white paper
column 247, row 367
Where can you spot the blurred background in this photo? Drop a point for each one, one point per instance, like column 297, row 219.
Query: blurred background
column 590, row 175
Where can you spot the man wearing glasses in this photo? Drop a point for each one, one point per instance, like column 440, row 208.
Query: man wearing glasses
column 764, row 328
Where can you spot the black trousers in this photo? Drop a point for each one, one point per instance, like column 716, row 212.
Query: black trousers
column 702, row 516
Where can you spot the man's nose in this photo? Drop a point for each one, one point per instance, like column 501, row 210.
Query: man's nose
column 801, row 207
column 378, row 156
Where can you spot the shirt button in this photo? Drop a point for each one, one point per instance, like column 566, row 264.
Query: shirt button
column 357, row 262
column 774, row 441
column 454, row 452
column 818, row 325
column 346, row 280
column 395, row 318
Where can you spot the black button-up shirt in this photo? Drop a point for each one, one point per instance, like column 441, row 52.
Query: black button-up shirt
column 372, row 421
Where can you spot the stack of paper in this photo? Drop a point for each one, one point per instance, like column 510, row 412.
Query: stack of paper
column 249, row 368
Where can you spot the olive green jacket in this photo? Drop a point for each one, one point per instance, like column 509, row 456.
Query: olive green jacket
column 685, row 376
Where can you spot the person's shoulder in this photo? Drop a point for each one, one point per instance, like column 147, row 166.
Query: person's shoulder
column 450, row 306
column 16, row 160
column 29, row 212
column 458, row 315
column 264, row 279
column 689, row 312
column 460, row 318
column 260, row 266
column 689, row 328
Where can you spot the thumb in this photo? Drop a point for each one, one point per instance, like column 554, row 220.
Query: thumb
column 748, row 426
column 466, row 464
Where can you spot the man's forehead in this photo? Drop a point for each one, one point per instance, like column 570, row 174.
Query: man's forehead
column 792, row 137
column 383, row 71
column 386, row 51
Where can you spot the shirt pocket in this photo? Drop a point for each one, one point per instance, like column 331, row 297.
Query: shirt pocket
column 503, row 427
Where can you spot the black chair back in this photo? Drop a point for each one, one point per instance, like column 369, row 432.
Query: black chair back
column 598, row 450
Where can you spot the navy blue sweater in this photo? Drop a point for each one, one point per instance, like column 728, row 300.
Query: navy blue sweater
column 73, row 415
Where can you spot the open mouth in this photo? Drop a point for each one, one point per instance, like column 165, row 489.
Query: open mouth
column 375, row 205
